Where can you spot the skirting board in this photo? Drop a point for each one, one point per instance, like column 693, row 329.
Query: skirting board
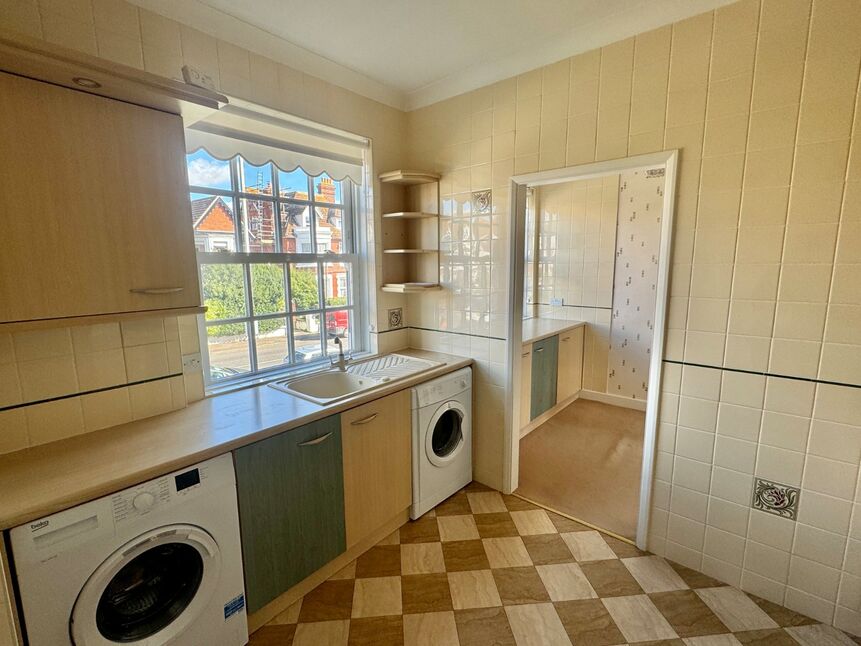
column 278, row 605
column 613, row 400
column 543, row 417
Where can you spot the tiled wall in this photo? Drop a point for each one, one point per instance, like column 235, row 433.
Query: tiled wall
column 60, row 382
column 722, row 429
column 577, row 238
column 762, row 99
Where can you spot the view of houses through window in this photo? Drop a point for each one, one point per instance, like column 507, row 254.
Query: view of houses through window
column 276, row 255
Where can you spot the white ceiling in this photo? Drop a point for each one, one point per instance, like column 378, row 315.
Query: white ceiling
column 409, row 53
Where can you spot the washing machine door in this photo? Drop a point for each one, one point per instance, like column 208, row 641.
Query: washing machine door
column 444, row 435
column 149, row 591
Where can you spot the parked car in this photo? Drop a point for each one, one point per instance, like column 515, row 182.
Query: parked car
column 337, row 323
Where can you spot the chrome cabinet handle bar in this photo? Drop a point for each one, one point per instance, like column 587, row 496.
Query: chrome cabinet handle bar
column 317, row 440
column 369, row 418
column 538, row 350
column 156, row 290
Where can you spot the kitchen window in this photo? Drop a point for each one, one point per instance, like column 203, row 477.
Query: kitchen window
column 278, row 256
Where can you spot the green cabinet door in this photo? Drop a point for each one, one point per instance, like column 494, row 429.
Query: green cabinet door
column 291, row 507
column 544, row 366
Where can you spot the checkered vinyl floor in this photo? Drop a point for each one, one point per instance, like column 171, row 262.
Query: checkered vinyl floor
column 489, row 569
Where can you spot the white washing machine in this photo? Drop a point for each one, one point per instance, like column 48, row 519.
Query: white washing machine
column 442, row 439
column 159, row 563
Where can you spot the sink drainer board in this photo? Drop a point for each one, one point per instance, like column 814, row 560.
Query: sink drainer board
column 391, row 367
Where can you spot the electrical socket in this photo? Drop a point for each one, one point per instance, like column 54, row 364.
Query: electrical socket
column 556, row 302
column 191, row 363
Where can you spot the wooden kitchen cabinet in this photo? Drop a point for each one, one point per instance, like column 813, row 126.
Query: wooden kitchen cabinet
column 544, row 367
column 291, row 507
column 376, row 440
column 570, row 364
column 95, row 206
column 525, row 384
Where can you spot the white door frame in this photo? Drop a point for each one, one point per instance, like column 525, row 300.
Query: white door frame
column 519, row 184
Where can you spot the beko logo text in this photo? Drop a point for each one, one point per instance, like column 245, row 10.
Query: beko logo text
column 35, row 527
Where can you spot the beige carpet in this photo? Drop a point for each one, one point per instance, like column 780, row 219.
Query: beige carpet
column 585, row 462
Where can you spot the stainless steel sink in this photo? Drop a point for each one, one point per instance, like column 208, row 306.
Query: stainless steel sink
column 329, row 386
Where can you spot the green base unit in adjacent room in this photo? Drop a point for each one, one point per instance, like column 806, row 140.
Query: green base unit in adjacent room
column 544, row 367
column 291, row 507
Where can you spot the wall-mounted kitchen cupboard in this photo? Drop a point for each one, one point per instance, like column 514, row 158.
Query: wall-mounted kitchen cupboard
column 95, row 206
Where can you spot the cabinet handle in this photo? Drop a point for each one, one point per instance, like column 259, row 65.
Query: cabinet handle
column 525, row 354
column 538, row 350
column 317, row 440
column 566, row 338
column 156, row 290
column 365, row 420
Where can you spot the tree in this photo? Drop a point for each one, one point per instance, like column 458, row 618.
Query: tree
column 224, row 296
column 303, row 287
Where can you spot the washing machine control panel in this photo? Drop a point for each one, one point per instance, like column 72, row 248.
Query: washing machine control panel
column 140, row 500
column 145, row 497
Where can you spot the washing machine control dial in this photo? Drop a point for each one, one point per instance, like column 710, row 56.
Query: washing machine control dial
column 143, row 501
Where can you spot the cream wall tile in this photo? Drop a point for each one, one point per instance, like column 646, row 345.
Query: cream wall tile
column 10, row 388
column 42, row 344
column 825, row 512
column 780, row 465
column 814, row 578
column 47, row 378
column 54, row 420
column 13, row 430
column 830, row 477
column 142, row 331
column 100, row 369
column 105, row 409
column 92, row 338
column 151, row 398
column 767, row 561
column 146, row 361
column 771, row 530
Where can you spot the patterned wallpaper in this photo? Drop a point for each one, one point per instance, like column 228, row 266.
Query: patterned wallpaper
column 638, row 241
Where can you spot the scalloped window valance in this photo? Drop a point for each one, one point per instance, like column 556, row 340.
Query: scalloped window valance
column 262, row 135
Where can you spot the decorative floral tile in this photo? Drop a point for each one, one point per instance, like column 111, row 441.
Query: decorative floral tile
column 775, row 498
column 481, row 202
column 396, row 317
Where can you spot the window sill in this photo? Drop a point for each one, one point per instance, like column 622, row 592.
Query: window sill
column 260, row 379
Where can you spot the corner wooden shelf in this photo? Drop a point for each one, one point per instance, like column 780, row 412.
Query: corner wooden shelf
column 409, row 288
column 408, row 177
column 410, row 231
column 409, row 215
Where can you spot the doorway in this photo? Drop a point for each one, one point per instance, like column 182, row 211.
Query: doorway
column 590, row 264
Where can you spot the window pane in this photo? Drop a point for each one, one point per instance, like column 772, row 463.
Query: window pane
column 214, row 222
column 223, row 291
column 327, row 190
column 330, row 230
column 296, row 228
column 306, row 338
column 255, row 179
column 293, row 184
column 206, row 170
column 337, row 280
column 258, row 218
column 272, row 348
column 267, row 289
column 228, row 350
column 338, row 325
column 304, row 292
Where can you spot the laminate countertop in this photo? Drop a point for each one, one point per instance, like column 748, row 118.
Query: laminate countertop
column 46, row 479
column 535, row 329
